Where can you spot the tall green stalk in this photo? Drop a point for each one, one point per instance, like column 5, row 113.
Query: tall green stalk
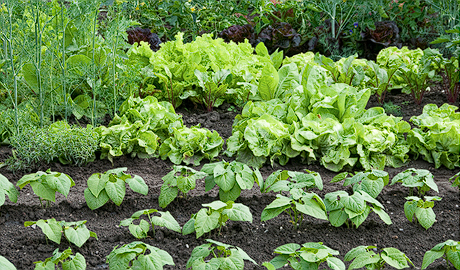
column 63, row 65
column 13, row 70
column 93, row 113
column 114, row 55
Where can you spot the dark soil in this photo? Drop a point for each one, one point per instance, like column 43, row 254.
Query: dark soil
column 22, row 246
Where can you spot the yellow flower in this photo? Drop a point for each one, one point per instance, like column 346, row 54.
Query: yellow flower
column 143, row 3
column 137, row 8
column 192, row 9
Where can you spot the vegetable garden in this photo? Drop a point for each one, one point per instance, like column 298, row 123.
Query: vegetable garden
column 239, row 135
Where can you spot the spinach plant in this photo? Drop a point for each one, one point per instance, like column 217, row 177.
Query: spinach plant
column 7, row 188
column 364, row 256
column 181, row 178
column 286, row 180
column 5, row 264
column 423, row 210
column 46, row 184
column 449, row 250
column 212, row 89
column 372, row 182
column 455, row 180
column 231, row 177
column 140, row 231
column 138, row 255
column 308, row 256
column 215, row 217
column 65, row 258
column 223, row 257
column 416, row 178
column 355, row 208
column 75, row 232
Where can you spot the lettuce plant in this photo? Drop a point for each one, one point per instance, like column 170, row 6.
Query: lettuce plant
column 215, row 217
column 449, row 250
column 372, row 182
column 422, row 209
column 75, row 232
column 287, row 180
column 7, row 188
column 222, row 256
column 5, row 264
column 140, row 231
column 138, row 255
column 111, row 185
column 420, row 179
column 364, row 256
column 306, row 256
column 65, row 258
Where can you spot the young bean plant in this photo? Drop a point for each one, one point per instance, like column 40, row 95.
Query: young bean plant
column 449, row 250
column 371, row 182
column 416, row 178
column 138, row 255
column 7, row 188
column 365, row 256
column 286, row 180
column 423, row 210
column 140, row 231
column 65, row 258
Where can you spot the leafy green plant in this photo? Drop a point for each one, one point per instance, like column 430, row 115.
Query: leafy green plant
column 191, row 145
column 364, row 256
column 231, row 177
column 212, row 90
column 451, row 79
column 455, row 180
column 111, row 185
column 224, row 256
column 449, row 249
column 46, row 184
column 381, row 78
column 422, row 209
column 342, row 71
column 75, row 232
column 308, row 256
column 138, row 255
column 420, row 179
column 7, row 188
column 392, row 109
column 141, row 230
column 287, row 180
column 372, row 182
column 65, row 258
column 215, row 217
column 181, row 178
column 355, row 208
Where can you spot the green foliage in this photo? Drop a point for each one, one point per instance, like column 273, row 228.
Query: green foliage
column 140, row 231
column 7, row 188
column 344, row 70
column 423, row 210
column 308, row 256
column 65, row 258
column 34, row 146
column 111, row 185
column 364, row 256
column 191, row 145
column 455, row 180
column 223, row 257
column 215, row 217
column 181, row 178
column 372, row 182
column 287, row 180
column 231, row 177
column 355, row 208
column 381, row 78
column 46, row 184
column 5, row 264
column 75, row 232
column 449, row 249
column 212, row 90
column 416, row 178
column 138, row 255
column 26, row 118
column 392, row 109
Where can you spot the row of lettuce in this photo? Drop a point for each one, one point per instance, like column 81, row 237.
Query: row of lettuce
column 337, row 207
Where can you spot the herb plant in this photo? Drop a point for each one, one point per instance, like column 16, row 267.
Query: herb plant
column 181, row 178
column 7, row 188
column 449, row 249
column 5, row 264
column 355, row 208
column 75, row 232
column 306, row 256
column 372, row 182
column 140, row 231
column 286, row 180
column 223, row 257
column 416, row 178
column 138, row 255
column 46, row 184
column 422, row 209
column 231, row 177
column 215, row 217
column 364, row 256
column 112, row 185
column 65, row 258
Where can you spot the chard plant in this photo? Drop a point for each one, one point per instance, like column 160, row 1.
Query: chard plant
column 212, row 89
column 420, row 179
column 231, row 177
column 181, row 178
column 342, row 71
column 215, row 217
column 46, row 184
column 422, row 209
column 286, row 180
column 344, row 208
column 66, row 259
column 111, row 185
column 5, row 264
column 372, row 182
column 306, row 256
column 449, row 250
column 138, row 255
column 365, row 256
column 381, row 79
column 141, row 230
column 75, row 232
column 7, row 188
column 216, row 255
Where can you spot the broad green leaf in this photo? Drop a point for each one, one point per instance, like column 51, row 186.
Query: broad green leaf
column 166, row 220
column 189, row 227
column 269, row 266
column 245, row 256
column 394, row 257
column 225, row 179
column 232, row 262
column 205, row 223
column 382, row 214
column 355, row 203
column 280, row 201
column 426, row 217
column 59, row 182
column 230, row 195
column 7, row 188
column 151, row 261
column 116, row 191
column 138, row 185
column 77, row 263
column 97, row 182
column 139, row 231
column 409, row 209
column 268, row 214
column 77, row 236
column 239, row 212
column 201, row 251
column 215, row 205
column 45, row 266
column 431, row 256
column 287, row 248
column 5, row 264
column 454, row 258
column 93, row 202
column 200, row 264
column 363, row 259
column 280, row 260
column 313, row 206
column 337, row 217
column 51, row 229
column 167, row 195
column 43, row 191
column 335, row 263
column 354, row 252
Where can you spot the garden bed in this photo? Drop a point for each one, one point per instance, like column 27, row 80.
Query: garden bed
column 22, row 246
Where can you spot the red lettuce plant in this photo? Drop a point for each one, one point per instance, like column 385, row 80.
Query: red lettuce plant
column 139, row 34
